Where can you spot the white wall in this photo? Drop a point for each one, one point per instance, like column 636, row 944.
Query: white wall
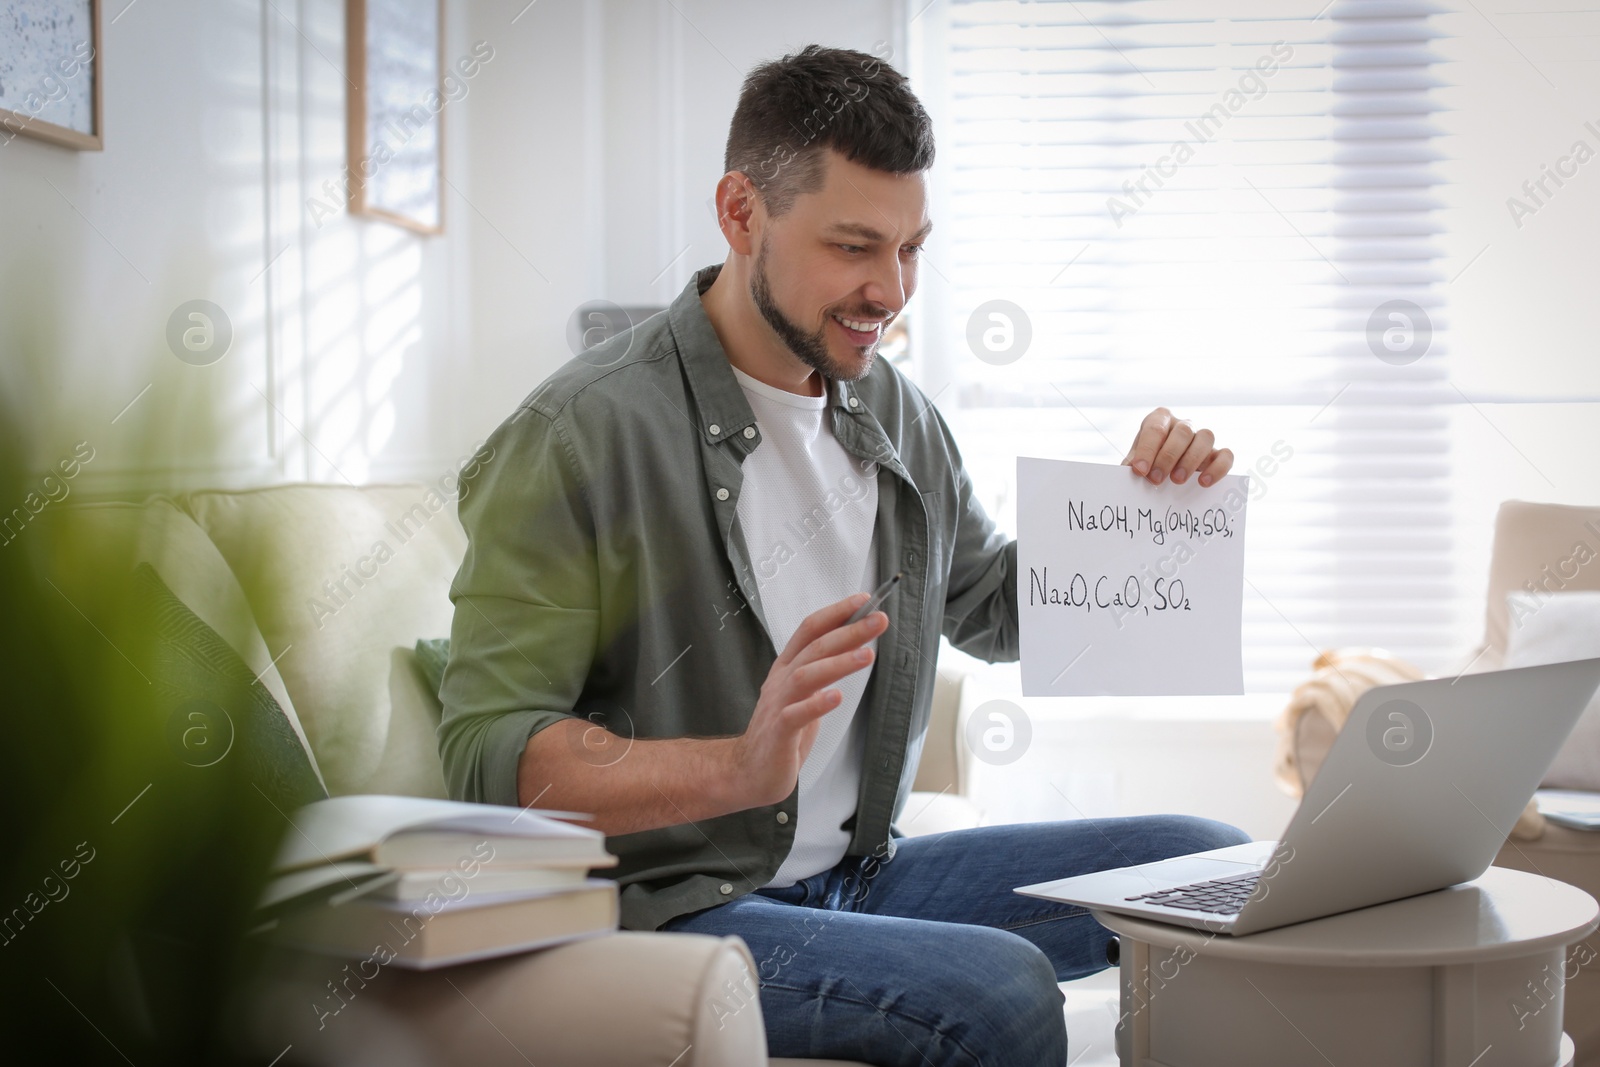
column 221, row 119
column 579, row 166
column 672, row 77
column 1523, row 314
column 99, row 247
column 364, row 351
column 597, row 142
column 536, row 198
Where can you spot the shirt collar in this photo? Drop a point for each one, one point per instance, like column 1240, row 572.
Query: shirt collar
column 720, row 404
column 719, row 400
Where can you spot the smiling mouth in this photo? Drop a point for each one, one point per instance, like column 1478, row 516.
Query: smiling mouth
column 861, row 331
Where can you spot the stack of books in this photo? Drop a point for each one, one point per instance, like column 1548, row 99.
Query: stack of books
column 431, row 883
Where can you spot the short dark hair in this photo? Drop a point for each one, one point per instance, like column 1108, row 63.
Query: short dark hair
column 790, row 109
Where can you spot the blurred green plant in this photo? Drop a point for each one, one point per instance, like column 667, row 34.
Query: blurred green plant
column 131, row 867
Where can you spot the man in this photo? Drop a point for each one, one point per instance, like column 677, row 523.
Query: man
column 651, row 617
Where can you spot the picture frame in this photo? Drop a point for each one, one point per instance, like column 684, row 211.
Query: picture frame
column 395, row 64
column 50, row 72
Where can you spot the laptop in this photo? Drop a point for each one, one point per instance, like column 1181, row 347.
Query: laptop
column 1417, row 793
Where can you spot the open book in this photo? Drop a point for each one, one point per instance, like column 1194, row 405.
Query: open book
column 402, row 833
column 348, row 879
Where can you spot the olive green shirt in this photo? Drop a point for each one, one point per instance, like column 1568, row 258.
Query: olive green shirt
column 606, row 579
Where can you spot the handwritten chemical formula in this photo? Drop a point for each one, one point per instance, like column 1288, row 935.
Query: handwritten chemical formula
column 1149, row 522
column 1104, row 592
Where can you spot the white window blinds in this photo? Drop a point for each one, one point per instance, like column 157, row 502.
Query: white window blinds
column 1231, row 209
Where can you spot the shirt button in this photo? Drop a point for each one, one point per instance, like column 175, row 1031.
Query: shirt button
column 854, row 402
column 722, row 494
column 749, row 432
column 715, row 429
column 725, row 889
column 783, row 816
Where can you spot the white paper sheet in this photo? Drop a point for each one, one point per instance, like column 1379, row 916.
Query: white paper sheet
column 1126, row 588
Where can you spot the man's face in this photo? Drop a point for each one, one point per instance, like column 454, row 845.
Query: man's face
column 832, row 271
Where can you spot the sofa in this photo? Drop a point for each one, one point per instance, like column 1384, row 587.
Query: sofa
column 1549, row 548
column 323, row 591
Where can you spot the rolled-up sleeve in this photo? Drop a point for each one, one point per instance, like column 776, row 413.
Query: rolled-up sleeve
column 526, row 607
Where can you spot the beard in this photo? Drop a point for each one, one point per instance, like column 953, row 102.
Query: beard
column 809, row 348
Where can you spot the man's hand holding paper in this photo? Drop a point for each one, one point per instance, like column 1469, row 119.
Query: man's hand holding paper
column 1169, row 447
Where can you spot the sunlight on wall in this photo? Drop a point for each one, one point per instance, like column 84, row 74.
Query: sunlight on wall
column 364, row 319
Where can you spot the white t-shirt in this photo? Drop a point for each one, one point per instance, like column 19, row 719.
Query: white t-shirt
column 807, row 510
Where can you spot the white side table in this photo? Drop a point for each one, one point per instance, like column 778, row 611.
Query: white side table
column 1470, row 976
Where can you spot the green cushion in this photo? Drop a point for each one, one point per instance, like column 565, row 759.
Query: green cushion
column 432, row 654
column 215, row 710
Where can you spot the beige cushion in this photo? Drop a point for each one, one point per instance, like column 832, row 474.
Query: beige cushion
column 1552, row 546
column 625, row 1000
column 94, row 547
column 942, row 766
column 1556, row 629
column 935, row 813
column 343, row 581
column 939, row 801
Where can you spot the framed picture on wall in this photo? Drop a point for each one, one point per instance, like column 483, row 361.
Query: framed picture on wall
column 50, row 72
column 395, row 62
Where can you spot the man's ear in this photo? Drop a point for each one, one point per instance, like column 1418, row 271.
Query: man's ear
column 736, row 209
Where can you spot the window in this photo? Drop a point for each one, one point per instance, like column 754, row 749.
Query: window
column 1237, row 217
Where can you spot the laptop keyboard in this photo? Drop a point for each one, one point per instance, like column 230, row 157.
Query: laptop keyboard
column 1220, row 896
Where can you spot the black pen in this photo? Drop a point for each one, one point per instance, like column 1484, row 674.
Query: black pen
column 873, row 601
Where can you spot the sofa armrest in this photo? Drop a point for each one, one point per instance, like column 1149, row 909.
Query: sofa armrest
column 627, row 999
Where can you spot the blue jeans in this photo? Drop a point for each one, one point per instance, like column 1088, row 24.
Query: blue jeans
column 930, row 958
